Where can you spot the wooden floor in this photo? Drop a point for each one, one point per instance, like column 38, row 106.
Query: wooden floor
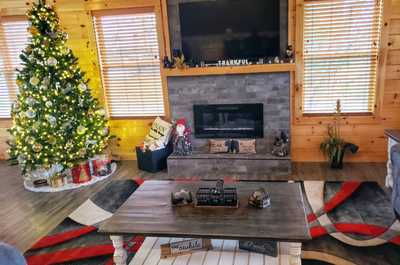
column 25, row 216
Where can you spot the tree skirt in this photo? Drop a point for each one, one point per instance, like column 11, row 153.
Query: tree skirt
column 69, row 186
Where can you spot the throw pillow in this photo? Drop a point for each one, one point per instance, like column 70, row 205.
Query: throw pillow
column 219, row 146
column 247, row 146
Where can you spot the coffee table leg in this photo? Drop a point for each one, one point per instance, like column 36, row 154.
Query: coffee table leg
column 295, row 253
column 120, row 255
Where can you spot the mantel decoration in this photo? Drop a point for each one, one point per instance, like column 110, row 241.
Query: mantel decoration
column 57, row 124
column 281, row 145
column 334, row 146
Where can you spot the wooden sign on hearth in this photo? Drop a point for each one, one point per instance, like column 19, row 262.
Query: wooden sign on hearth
column 184, row 247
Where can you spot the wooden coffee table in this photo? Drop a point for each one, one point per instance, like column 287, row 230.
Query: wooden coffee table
column 149, row 212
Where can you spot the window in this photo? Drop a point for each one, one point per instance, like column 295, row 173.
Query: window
column 340, row 52
column 130, row 65
column 13, row 39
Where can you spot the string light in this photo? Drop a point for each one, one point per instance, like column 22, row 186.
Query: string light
column 51, row 128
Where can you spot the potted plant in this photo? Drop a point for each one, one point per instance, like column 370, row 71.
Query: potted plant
column 334, row 147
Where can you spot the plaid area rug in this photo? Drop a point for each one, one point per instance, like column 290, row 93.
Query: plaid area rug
column 347, row 220
column 76, row 240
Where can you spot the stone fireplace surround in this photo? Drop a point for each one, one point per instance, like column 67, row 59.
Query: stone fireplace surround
column 271, row 89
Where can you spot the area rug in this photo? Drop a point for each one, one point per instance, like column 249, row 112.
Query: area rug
column 76, row 240
column 351, row 223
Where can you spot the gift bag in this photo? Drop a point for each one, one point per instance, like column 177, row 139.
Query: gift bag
column 81, row 173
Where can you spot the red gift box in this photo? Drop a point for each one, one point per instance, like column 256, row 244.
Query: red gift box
column 81, row 173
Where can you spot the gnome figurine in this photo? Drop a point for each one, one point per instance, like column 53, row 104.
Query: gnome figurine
column 182, row 141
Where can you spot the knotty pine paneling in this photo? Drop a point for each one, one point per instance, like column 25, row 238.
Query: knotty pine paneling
column 370, row 137
column 82, row 42
column 76, row 20
column 395, row 23
column 394, row 42
column 394, row 55
column 393, row 71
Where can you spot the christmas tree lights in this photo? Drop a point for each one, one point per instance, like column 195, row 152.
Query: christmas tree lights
column 56, row 121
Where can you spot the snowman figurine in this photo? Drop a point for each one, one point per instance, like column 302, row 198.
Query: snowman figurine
column 182, row 142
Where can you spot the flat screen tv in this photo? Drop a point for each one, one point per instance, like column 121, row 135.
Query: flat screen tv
column 230, row 29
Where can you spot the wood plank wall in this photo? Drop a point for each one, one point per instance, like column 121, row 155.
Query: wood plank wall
column 75, row 18
column 367, row 133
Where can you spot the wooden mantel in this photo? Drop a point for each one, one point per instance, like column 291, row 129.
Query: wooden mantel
column 226, row 70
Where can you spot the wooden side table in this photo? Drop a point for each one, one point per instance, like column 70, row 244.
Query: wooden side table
column 393, row 139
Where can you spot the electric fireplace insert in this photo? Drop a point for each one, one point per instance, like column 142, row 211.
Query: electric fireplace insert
column 229, row 121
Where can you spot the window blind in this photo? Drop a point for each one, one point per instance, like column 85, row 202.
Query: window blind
column 340, row 52
column 13, row 39
column 130, row 65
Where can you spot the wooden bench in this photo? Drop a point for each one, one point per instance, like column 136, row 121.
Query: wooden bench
column 224, row 252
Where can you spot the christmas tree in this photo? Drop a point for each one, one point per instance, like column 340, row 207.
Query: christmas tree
column 56, row 121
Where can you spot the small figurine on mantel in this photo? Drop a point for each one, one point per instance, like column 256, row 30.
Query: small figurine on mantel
column 290, row 53
column 281, row 145
column 182, row 141
column 167, row 63
column 178, row 59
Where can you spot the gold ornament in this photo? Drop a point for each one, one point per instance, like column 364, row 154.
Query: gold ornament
column 30, row 140
column 37, row 147
column 43, row 16
column 33, row 30
column 65, row 50
column 82, row 87
column 51, row 140
column 36, row 125
column 81, row 129
column 82, row 151
column 19, row 83
column 101, row 112
column 34, row 81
